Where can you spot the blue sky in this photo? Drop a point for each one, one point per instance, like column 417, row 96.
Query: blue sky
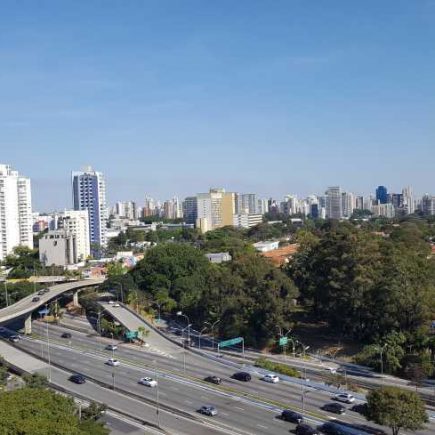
column 171, row 97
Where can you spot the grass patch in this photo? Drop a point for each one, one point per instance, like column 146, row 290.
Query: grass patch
column 277, row 367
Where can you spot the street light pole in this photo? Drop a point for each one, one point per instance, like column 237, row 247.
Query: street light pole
column 212, row 325
column 180, row 313
column 48, row 346
column 381, row 352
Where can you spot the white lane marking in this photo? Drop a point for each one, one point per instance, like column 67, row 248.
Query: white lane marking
column 188, row 402
column 238, row 407
column 260, row 425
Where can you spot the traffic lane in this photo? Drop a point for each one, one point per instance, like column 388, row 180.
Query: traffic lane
column 185, row 397
column 121, row 426
column 277, row 392
column 289, row 395
column 130, row 406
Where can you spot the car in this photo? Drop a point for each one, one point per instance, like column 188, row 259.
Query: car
column 45, row 290
column 333, row 428
column 292, row 416
column 77, row 379
column 208, row 410
column 242, row 376
column 41, row 292
column 14, row 338
column 344, row 397
column 331, row 370
column 148, row 382
column 66, row 335
column 213, row 379
column 111, row 347
column 36, row 299
column 306, row 429
column 116, row 304
column 112, row 362
column 111, row 302
column 2, row 329
column 360, row 408
column 270, row 377
column 336, row 408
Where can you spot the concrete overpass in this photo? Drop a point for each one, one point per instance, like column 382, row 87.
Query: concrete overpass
column 25, row 306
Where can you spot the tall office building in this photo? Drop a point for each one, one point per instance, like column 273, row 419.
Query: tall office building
column 15, row 211
column 215, row 209
column 428, row 205
column 334, row 203
column 76, row 222
column 89, row 193
column 382, row 195
column 190, row 209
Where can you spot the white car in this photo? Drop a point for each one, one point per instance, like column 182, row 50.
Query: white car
column 111, row 302
column 116, row 304
column 331, row 370
column 112, row 362
column 273, row 379
column 148, row 382
column 344, row 397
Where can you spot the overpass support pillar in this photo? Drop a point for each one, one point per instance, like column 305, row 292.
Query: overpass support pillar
column 76, row 299
column 28, row 324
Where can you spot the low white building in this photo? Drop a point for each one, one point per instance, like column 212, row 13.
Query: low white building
column 219, row 257
column 77, row 223
column 266, row 246
column 247, row 220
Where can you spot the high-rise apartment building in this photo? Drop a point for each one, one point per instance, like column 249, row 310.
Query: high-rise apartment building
column 348, row 203
column 408, row 200
column 126, row 209
column 215, row 209
column 428, row 205
column 246, row 203
column 89, row 193
column 76, row 222
column 334, row 203
column 382, row 195
column 15, row 211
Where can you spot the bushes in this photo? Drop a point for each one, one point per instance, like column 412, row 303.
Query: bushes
column 277, row 367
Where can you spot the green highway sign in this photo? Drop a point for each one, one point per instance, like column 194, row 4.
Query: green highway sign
column 231, row 342
column 283, row 341
column 130, row 335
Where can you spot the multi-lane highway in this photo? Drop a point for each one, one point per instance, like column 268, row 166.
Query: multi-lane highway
column 247, row 407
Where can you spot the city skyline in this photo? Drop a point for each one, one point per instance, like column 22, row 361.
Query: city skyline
column 290, row 98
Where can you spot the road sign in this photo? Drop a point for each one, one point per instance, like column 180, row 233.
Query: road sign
column 230, row 342
column 283, row 341
column 130, row 335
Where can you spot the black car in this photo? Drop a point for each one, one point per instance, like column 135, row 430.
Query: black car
column 336, row 408
column 66, row 335
column 360, row 408
column 35, row 299
column 292, row 416
column 332, row 428
column 213, row 379
column 77, row 379
column 41, row 292
column 306, row 429
column 242, row 376
column 14, row 338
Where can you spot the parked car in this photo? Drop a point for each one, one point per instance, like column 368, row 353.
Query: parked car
column 66, row 335
column 36, row 299
column 213, row 379
column 112, row 362
column 336, row 408
column 344, row 397
column 77, row 379
column 208, row 410
column 148, row 382
column 14, row 338
column 111, row 347
column 306, row 429
column 292, row 416
column 270, row 377
column 242, row 376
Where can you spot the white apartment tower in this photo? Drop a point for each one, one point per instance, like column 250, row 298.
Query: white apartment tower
column 334, row 208
column 76, row 222
column 15, row 211
column 89, row 193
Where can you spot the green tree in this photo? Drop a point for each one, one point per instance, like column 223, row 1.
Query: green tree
column 94, row 411
column 114, row 269
column 35, row 411
column 35, row 380
column 396, row 408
